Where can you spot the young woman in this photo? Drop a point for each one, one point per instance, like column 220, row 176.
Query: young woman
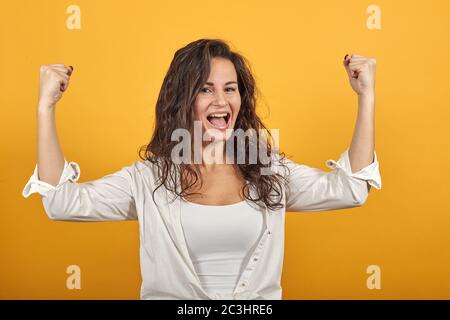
column 208, row 229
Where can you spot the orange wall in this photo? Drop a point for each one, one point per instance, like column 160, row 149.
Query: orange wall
column 120, row 56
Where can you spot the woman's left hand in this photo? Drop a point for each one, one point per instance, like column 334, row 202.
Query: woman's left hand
column 361, row 73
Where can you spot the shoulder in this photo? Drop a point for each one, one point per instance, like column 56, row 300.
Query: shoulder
column 143, row 169
column 280, row 164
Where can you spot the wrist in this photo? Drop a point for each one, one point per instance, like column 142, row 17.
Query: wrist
column 366, row 98
column 45, row 107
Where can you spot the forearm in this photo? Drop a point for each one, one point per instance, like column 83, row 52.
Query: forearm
column 362, row 146
column 50, row 159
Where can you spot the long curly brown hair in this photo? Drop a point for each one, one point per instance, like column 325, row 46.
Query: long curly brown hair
column 187, row 74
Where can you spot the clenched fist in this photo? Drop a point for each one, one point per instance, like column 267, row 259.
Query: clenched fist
column 53, row 81
column 361, row 73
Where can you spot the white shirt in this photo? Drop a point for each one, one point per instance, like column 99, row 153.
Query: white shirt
column 220, row 240
column 166, row 267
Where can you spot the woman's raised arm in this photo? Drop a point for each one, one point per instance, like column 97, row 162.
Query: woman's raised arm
column 53, row 82
column 108, row 198
column 361, row 75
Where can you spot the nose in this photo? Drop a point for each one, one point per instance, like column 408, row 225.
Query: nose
column 219, row 98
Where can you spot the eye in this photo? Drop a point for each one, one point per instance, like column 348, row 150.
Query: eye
column 227, row 89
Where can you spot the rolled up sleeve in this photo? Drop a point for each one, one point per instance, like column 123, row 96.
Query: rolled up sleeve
column 105, row 199
column 312, row 189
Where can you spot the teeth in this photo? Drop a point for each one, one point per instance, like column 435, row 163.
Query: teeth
column 218, row 115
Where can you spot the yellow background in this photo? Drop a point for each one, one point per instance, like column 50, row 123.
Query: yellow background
column 120, row 56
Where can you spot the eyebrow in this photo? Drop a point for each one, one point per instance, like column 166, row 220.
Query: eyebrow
column 229, row 82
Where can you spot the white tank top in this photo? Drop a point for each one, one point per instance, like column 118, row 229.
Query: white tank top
column 220, row 241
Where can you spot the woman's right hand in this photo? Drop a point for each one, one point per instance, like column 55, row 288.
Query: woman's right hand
column 53, row 82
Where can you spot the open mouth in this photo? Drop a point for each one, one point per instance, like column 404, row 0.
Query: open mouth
column 219, row 120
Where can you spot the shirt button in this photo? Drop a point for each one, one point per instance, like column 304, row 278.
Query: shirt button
column 243, row 284
column 256, row 259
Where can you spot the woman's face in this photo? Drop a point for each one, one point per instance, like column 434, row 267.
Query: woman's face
column 218, row 103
